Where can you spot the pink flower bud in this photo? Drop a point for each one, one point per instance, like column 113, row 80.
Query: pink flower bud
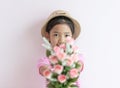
column 74, row 57
column 58, row 69
column 62, row 46
column 73, row 73
column 61, row 56
column 69, row 62
column 56, row 49
column 47, row 73
column 62, row 78
column 53, row 59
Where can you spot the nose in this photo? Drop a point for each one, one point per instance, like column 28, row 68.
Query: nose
column 61, row 40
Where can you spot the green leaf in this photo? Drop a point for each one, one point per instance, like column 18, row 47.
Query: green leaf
column 54, row 75
column 48, row 53
column 66, row 69
column 50, row 85
column 73, row 86
column 73, row 79
column 77, row 65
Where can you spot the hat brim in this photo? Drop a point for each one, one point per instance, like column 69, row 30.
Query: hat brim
column 76, row 25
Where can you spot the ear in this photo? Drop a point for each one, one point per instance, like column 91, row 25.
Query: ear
column 47, row 36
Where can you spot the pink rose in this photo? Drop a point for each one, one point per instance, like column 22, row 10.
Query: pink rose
column 74, row 57
column 73, row 73
column 59, row 53
column 58, row 69
column 62, row 46
column 61, row 56
column 53, row 59
column 62, row 78
column 47, row 73
column 69, row 62
column 56, row 49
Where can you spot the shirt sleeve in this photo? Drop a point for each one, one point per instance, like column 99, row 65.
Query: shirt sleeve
column 78, row 83
column 81, row 58
column 43, row 61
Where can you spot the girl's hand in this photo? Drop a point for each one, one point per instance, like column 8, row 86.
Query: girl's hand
column 81, row 66
column 43, row 68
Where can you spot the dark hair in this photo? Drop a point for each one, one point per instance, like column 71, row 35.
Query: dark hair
column 60, row 20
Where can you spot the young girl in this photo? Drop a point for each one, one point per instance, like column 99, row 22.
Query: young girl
column 58, row 27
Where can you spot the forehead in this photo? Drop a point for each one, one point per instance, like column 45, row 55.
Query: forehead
column 61, row 28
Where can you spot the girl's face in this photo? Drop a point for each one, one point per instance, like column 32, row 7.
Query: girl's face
column 58, row 34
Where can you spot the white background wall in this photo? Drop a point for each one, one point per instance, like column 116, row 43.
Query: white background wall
column 20, row 41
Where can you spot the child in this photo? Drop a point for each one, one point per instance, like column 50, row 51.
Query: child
column 58, row 27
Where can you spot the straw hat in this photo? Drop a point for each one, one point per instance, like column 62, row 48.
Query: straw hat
column 66, row 14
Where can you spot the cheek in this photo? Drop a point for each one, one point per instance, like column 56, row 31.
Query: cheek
column 53, row 41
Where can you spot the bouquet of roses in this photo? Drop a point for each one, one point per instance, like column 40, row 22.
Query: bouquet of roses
column 65, row 66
